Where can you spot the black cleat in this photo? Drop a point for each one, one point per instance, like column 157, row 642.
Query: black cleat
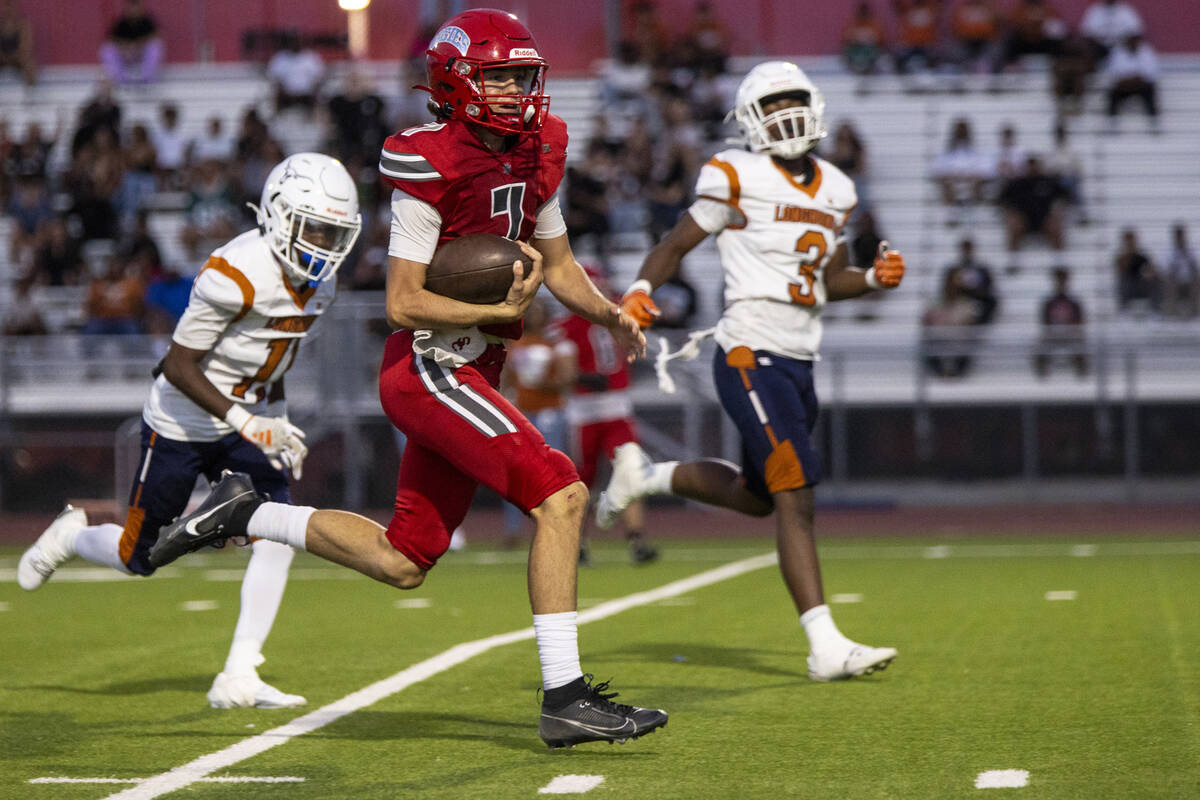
column 221, row 516
column 595, row 718
column 642, row 553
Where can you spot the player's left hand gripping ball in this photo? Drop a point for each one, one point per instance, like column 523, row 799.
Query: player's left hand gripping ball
column 888, row 269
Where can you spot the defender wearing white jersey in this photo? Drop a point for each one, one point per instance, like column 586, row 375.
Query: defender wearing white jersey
column 218, row 402
column 778, row 214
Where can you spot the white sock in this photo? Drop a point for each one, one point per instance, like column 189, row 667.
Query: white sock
column 822, row 633
column 659, row 479
column 280, row 522
column 262, row 590
column 101, row 544
column 558, row 647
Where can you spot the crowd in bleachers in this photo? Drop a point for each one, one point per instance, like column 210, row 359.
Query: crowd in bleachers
column 664, row 97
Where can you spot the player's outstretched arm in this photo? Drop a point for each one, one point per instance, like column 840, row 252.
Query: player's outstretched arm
column 661, row 264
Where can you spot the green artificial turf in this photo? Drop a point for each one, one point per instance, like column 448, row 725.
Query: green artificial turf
column 1096, row 697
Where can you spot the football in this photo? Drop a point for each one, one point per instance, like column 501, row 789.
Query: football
column 476, row 268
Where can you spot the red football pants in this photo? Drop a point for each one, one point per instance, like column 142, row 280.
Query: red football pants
column 461, row 433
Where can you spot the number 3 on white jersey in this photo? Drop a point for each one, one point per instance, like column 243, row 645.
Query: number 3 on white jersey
column 812, row 248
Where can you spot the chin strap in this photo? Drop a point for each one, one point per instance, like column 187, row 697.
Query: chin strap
column 687, row 351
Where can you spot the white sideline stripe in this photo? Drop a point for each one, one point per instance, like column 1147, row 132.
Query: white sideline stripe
column 1083, row 550
column 92, row 575
column 1061, row 594
column 223, row 779
column 572, row 784
column 848, row 597
column 413, row 602
column 193, row 771
column 1002, row 779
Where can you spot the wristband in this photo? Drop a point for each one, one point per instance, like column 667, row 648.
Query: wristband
column 640, row 285
column 237, row 417
column 872, row 281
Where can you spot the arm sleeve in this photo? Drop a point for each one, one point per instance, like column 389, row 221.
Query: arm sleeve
column 215, row 302
column 550, row 222
column 416, row 226
column 714, row 216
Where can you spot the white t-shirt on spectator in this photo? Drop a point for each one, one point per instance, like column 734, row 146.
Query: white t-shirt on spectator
column 1109, row 24
column 170, row 145
column 297, row 73
column 207, row 147
column 1140, row 63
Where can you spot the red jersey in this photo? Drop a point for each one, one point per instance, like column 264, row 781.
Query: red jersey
column 602, row 366
column 474, row 189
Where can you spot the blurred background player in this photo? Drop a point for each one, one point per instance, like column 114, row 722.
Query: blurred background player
column 778, row 213
column 491, row 163
column 600, row 413
column 219, row 402
column 541, row 374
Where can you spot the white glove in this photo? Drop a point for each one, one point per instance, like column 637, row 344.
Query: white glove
column 276, row 436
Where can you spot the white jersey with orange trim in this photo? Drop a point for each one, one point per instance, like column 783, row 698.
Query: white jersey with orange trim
column 250, row 318
column 775, row 235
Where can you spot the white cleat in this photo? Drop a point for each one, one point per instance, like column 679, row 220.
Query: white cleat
column 51, row 549
column 843, row 664
column 249, row 691
column 630, row 471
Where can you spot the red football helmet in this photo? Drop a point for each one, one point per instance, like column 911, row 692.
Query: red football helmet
column 487, row 39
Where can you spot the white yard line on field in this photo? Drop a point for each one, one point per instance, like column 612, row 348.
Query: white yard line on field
column 218, row 779
column 1002, row 779
column 572, row 784
column 193, row 771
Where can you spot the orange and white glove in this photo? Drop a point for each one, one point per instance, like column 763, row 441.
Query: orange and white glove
column 888, row 269
column 637, row 303
column 280, row 440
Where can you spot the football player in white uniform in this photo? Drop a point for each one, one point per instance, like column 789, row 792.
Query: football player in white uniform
column 778, row 213
column 218, row 402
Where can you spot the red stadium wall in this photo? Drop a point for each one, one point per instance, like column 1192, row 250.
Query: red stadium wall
column 571, row 34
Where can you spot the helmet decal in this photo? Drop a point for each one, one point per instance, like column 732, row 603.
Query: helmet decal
column 454, row 36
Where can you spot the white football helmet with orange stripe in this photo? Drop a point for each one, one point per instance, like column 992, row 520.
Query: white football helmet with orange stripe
column 309, row 214
column 788, row 132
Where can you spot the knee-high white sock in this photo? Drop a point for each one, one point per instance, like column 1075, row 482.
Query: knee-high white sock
column 558, row 647
column 280, row 522
column 262, row 591
column 822, row 633
column 101, row 544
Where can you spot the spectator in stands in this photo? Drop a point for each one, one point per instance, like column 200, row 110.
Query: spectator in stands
column 677, row 160
column 1131, row 70
column 917, row 41
column 962, row 171
column 170, row 147
column 1009, row 160
column 710, row 36
column 975, row 31
column 1138, row 285
column 92, row 181
column 31, row 156
column 211, row 215
column 115, row 303
column 864, row 41
column 370, row 273
column 1065, row 164
column 1034, row 202
column 1181, row 276
column 296, row 74
column 946, row 336
column 974, row 281
column 1035, row 28
column 8, row 147
column 30, row 208
column 646, row 32
column 138, row 184
column 16, row 43
column 24, row 315
column 586, row 197
column 133, row 52
column 100, row 112
column 1063, row 330
column 848, row 153
column 1107, row 23
column 1070, row 69
column 411, row 107
column 864, row 244
column 359, row 120
column 211, row 145
column 139, row 248
column 166, row 300
column 58, row 259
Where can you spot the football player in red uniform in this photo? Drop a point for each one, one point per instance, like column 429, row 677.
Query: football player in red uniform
column 490, row 163
column 600, row 413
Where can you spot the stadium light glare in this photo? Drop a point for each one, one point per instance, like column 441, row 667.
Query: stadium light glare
column 353, row 5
